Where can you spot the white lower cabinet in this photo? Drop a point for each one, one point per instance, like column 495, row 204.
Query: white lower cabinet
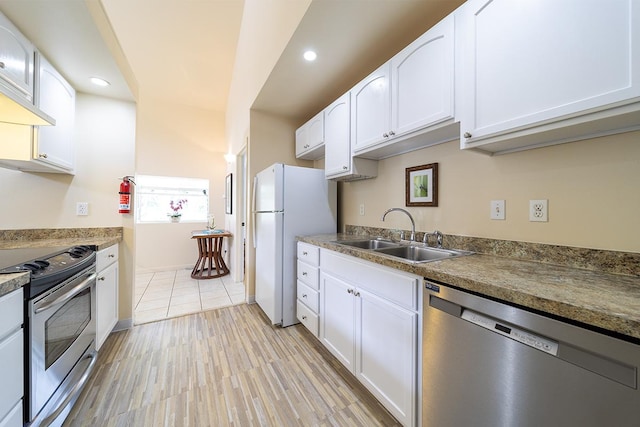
column 11, row 359
column 307, row 271
column 106, row 293
column 369, row 321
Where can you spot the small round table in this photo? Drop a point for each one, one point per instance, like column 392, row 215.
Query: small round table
column 210, row 263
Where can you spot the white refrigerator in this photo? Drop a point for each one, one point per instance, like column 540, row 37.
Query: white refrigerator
column 288, row 201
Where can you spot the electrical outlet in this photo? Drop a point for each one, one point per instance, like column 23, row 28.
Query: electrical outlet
column 538, row 211
column 82, row 208
column 362, row 209
column 497, row 209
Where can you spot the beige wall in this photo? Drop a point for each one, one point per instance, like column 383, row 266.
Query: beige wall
column 183, row 141
column 267, row 26
column 593, row 188
column 105, row 144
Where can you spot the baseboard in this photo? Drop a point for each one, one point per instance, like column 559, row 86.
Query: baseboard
column 123, row 325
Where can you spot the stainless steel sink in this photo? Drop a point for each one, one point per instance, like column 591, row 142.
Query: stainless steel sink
column 421, row 253
column 372, row 244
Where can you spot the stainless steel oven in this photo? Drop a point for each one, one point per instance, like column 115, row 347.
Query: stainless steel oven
column 62, row 337
column 60, row 317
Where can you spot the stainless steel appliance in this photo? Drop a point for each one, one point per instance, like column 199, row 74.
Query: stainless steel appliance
column 486, row 363
column 60, row 317
column 287, row 201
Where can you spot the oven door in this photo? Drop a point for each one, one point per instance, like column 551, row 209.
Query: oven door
column 62, row 331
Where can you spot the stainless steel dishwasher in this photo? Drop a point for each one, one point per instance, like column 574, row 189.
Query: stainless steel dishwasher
column 489, row 364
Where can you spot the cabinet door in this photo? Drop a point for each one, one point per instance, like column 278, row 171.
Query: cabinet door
column 337, row 316
column 11, row 364
column 106, row 303
column 16, row 58
column 337, row 136
column 371, row 109
column 58, row 99
column 386, row 353
column 310, row 138
column 538, row 62
column 422, row 80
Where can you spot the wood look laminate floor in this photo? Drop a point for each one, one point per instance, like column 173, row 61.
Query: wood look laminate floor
column 226, row 367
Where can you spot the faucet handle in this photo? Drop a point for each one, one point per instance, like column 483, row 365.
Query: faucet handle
column 439, row 238
column 401, row 235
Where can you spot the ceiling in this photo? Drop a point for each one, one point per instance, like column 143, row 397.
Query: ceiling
column 183, row 51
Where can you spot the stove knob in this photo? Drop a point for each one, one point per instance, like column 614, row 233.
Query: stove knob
column 42, row 263
column 75, row 253
column 31, row 266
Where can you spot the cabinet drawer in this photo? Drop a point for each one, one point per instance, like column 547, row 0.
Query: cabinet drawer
column 310, row 297
column 11, row 355
column 390, row 284
column 309, row 254
column 308, row 318
column 106, row 256
column 308, row 274
column 10, row 313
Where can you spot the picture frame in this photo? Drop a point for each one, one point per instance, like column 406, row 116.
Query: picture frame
column 421, row 185
column 228, row 188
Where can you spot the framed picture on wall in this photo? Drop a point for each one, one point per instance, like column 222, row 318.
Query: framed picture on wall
column 228, row 187
column 421, row 185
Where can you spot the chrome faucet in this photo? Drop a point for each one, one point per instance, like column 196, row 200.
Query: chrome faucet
column 413, row 223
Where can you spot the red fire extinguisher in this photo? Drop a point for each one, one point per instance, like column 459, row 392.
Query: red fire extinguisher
column 125, row 195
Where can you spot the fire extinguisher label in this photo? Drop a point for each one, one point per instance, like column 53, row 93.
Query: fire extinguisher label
column 124, row 202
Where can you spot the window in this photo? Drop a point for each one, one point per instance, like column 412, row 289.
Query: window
column 154, row 195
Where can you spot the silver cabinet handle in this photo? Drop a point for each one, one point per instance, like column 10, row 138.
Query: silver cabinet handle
column 305, row 253
column 356, row 294
column 304, row 295
column 349, row 291
column 111, row 256
column 43, row 155
column 385, row 135
column 467, row 135
column 304, row 273
column 344, row 168
column 391, row 133
column 304, row 317
column 101, row 278
column 1, row 64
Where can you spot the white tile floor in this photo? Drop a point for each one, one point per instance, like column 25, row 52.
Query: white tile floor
column 166, row 294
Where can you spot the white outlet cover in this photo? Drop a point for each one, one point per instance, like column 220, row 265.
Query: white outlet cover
column 497, row 209
column 82, row 208
column 538, row 210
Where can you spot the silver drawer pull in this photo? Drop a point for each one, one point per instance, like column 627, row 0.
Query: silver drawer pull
column 111, row 256
column 304, row 317
column 304, row 295
column 305, row 253
column 304, row 273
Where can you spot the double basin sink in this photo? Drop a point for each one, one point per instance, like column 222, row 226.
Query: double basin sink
column 412, row 252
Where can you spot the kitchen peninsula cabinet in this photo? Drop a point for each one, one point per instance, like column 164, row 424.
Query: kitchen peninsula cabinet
column 547, row 72
column 106, row 293
column 310, row 139
column 409, row 96
column 11, row 359
column 339, row 161
column 369, row 322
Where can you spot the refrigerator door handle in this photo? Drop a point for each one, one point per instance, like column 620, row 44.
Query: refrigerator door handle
column 253, row 209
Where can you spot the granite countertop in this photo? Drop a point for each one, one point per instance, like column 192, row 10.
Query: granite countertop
column 603, row 300
column 59, row 238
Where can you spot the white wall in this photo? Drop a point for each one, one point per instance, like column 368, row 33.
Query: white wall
column 105, row 143
column 183, row 141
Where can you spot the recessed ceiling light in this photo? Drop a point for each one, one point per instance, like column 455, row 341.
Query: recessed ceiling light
column 310, row 55
column 99, row 82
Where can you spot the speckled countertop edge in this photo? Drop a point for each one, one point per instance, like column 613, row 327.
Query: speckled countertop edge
column 101, row 238
column 604, row 300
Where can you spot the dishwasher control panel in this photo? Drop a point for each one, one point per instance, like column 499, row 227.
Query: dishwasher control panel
column 515, row 333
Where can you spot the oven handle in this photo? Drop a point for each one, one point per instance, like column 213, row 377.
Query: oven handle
column 68, row 295
column 73, row 391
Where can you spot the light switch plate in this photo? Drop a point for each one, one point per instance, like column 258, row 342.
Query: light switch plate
column 497, row 209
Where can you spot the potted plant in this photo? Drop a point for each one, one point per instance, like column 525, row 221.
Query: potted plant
column 176, row 207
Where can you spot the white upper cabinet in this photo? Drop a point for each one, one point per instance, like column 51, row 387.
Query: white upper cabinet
column 408, row 103
column 339, row 162
column 58, row 99
column 310, row 139
column 16, row 59
column 541, row 72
